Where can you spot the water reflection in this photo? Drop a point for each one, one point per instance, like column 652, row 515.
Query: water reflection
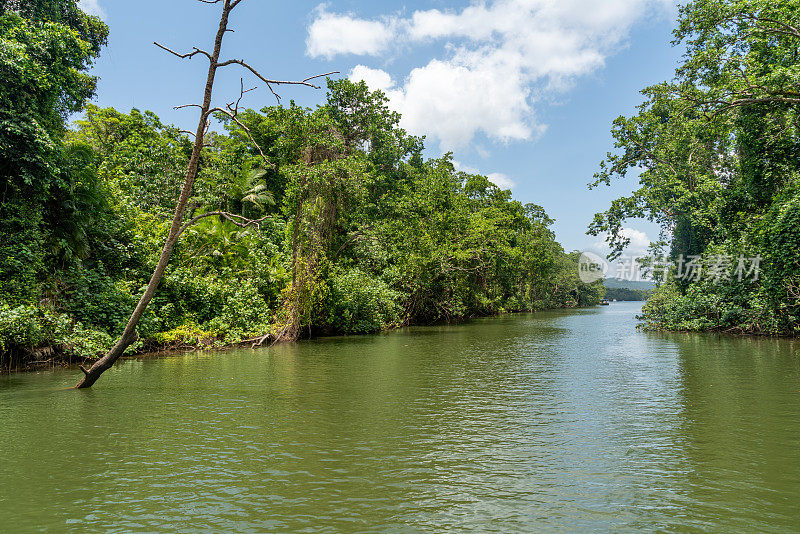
column 554, row 421
column 741, row 400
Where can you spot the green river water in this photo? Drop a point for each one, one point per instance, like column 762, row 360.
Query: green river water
column 557, row 421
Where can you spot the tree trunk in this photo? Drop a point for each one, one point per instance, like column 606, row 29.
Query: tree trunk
column 129, row 334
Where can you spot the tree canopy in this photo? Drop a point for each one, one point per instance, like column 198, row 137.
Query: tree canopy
column 717, row 153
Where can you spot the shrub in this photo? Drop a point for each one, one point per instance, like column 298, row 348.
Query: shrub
column 22, row 327
column 96, row 299
column 26, row 328
column 244, row 315
column 361, row 304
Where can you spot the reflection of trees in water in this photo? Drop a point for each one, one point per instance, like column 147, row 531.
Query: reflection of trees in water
column 742, row 430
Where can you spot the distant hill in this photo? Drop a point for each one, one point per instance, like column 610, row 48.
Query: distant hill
column 625, row 290
column 615, row 283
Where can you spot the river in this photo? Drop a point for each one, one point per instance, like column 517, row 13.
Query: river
column 555, row 421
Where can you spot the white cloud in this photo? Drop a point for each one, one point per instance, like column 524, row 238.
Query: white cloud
column 453, row 103
column 375, row 78
column 499, row 179
column 92, row 7
column 499, row 59
column 331, row 34
column 639, row 241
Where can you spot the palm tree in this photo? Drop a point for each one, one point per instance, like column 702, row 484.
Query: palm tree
column 248, row 190
column 218, row 243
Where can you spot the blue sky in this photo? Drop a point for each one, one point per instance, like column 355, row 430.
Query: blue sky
column 523, row 91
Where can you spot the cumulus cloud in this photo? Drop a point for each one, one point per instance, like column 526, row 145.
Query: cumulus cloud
column 375, row 78
column 452, row 102
column 331, row 34
column 498, row 61
column 639, row 241
column 92, row 7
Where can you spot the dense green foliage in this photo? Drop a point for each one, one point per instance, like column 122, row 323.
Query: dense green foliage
column 359, row 232
column 45, row 51
column 719, row 153
column 626, row 294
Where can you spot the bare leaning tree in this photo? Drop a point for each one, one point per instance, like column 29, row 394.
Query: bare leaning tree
column 231, row 110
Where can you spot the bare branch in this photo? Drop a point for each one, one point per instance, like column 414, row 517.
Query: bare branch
column 234, row 116
column 270, row 82
column 188, row 55
column 241, row 95
column 264, row 79
column 315, row 77
column 276, row 95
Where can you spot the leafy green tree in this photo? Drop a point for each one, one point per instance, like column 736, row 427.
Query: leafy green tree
column 301, row 221
column 45, row 52
column 46, row 49
column 179, row 224
column 718, row 151
column 140, row 159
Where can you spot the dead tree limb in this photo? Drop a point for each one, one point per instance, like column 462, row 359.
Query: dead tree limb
column 178, row 225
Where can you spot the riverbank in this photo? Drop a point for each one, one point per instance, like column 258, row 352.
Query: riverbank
column 70, row 354
column 707, row 310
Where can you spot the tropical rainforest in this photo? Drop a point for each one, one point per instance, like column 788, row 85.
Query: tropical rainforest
column 717, row 155
column 305, row 221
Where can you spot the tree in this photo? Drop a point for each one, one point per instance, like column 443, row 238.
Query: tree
column 740, row 54
column 323, row 188
column 46, row 49
column 718, row 148
column 140, row 158
column 179, row 225
column 38, row 92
